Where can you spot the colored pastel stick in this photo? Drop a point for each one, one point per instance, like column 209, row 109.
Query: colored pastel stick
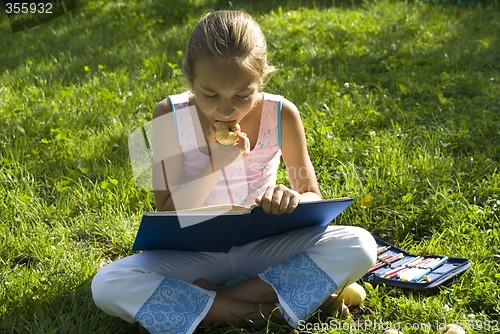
column 392, row 273
column 429, row 262
column 408, row 275
column 431, row 268
column 382, row 249
column 389, row 260
column 401, row 267
column 383, row 257
column 417, row 270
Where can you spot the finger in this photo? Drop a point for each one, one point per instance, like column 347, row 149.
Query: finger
column 266, row 199
column 276, row 200
column 283, row 206
column 210, row 135
column 287, row 199
column 293, row 203
column 244, row 143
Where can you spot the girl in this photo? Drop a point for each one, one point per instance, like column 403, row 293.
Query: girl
column 293, row 274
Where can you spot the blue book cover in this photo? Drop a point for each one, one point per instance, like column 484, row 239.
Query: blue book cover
column 219, row 228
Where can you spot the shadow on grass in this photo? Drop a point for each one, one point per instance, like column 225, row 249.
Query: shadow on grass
column 94, row 40
column 71, row 311
column 100, row 33
column 107, row 36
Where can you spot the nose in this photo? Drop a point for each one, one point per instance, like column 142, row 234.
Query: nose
column 226, row 110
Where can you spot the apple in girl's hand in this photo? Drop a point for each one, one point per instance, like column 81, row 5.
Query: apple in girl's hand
column 226, row 133
column 353, row 295
column 451, row 329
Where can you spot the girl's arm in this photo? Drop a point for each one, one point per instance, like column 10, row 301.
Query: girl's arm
column 304, row 185
column 168, row 167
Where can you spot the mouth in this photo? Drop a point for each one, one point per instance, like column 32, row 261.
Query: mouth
column 226, row 120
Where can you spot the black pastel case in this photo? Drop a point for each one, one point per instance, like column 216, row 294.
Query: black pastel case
column 398, row 268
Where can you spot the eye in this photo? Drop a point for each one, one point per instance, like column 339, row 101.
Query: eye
column 244, row 95
column 209, row 97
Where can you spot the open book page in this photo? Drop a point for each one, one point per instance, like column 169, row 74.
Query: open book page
column 220, row 209
column 218, row 228
column 190, row 217
column 212, row 210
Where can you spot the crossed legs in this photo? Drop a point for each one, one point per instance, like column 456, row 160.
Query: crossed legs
column 136, row 287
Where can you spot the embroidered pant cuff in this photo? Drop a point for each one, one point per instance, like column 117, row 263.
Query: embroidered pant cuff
column 301, row 285
column 175, row 307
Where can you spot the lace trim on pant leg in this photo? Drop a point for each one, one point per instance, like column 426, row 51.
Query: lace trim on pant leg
column 301, row 285
column 175, row 307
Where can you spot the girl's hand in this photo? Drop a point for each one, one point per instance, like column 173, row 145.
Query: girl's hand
column 278, row 199
column 223, row 155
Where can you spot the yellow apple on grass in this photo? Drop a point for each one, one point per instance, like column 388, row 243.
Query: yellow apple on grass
column 343, row 311
column 392, row 331
column 451, row 329
column 226, row 133
column 353, row 295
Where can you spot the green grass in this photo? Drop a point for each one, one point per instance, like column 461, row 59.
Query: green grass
column 400, row 101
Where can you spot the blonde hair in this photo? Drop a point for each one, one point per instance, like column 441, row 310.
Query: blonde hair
column 227, row 35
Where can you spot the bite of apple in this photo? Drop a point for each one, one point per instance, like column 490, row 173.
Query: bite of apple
column 226, row 133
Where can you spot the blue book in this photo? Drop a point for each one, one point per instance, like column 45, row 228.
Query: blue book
column 219, row 228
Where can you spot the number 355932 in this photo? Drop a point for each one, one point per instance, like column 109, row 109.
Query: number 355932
column 28, row 7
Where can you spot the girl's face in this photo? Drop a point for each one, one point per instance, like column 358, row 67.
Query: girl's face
column 224, row 91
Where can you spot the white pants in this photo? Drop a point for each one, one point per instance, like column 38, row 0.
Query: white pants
column 303, row 266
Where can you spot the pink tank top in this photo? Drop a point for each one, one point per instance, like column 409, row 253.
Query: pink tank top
column 242, row 180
